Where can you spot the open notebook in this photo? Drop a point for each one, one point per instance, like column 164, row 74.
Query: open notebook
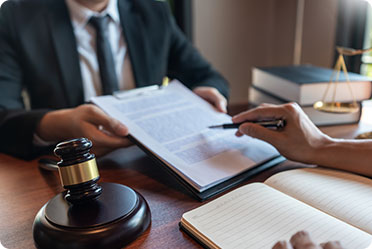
column 331, row 205
column 171, row 125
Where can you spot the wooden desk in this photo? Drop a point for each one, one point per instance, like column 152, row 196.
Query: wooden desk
column 24, row 189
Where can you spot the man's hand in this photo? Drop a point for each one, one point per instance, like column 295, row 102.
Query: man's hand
column 302, row 240
column 88, row 121
column 300, row 140
column 213, row 96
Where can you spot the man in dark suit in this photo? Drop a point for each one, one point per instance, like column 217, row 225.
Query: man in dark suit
column 57, row 53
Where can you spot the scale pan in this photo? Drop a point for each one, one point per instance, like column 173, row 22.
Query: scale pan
column 365, row 135
column 336, row 107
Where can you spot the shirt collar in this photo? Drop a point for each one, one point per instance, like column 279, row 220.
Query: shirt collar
column 80, row 15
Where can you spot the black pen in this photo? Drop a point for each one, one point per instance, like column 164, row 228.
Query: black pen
column 278, row 124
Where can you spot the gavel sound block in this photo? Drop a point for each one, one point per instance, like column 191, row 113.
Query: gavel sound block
column 87, row 214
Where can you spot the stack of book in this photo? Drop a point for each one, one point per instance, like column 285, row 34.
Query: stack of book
column 305, row 85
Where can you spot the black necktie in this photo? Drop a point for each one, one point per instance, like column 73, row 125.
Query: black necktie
column 104, row 55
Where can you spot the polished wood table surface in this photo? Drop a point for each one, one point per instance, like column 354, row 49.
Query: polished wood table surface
column 24, row 189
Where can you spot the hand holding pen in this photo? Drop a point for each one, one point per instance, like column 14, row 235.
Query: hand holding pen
column 277, row 124
column 300, row 140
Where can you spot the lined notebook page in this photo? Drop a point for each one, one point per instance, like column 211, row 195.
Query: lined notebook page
column 257, row 216
column 343, row 195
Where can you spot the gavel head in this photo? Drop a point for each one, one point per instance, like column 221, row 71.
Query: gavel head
column 78, row 170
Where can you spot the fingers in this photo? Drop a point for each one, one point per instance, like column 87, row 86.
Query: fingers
column 216, row 99
column 332, row 245
column 213, row 96
column 266, row 112
column 221, row 105
column 282, row 245
column 238, row 134
column 105, row 132
column 257, row 131
column 97, row 117
column 263, row 112
column 84, row 121
column 102, row 142
column 302, row 240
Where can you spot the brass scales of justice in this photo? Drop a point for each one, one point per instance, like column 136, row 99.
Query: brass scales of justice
column 342, row 107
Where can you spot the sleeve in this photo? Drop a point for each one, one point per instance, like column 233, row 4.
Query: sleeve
column 17, row 125
column 186, row 64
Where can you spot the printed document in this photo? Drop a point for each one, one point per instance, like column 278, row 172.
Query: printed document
column 172, row 123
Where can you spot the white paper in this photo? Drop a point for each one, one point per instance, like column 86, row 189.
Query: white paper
column 257, row 216
column 345, row 196
column 172, row 123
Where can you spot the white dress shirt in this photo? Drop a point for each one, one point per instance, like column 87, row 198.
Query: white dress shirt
column 85, row 35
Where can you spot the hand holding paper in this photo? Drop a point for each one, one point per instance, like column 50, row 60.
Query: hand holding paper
column 213, row 96
column 88, row 121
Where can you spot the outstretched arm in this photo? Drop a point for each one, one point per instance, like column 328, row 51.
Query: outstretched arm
column 302, row 141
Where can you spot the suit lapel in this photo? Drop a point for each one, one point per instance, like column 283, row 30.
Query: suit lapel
column 66, row 50
column 137, row 45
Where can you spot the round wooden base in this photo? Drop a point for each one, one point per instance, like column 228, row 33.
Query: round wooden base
column 114, row 219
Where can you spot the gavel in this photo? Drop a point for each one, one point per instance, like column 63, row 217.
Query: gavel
column 88, row 214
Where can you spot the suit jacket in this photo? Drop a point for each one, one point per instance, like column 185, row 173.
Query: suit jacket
column 38, row 53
